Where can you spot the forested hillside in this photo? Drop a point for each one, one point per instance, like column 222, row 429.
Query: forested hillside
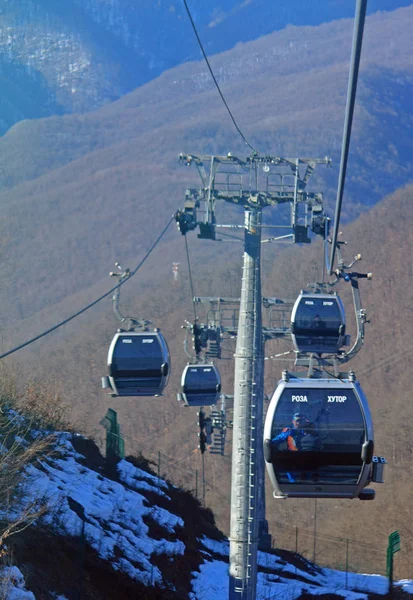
column 79, row 192
column 98, row 179
column 73, row 56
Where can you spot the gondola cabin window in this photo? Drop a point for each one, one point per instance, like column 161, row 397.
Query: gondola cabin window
column 320, row 440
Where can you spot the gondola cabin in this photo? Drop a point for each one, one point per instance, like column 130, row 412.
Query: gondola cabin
column 201, row 385
column 318, row 323
column 138, row 364
column 318, row 440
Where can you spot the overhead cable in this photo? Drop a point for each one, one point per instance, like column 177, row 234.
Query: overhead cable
column 190, row 278
column 215, row 81
column 82, row 310
column 351, row 97
column 386, row 361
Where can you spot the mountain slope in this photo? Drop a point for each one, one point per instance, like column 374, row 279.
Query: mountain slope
column 119, row 527
column 76, row 55
column 295, row 77
column 96, row 188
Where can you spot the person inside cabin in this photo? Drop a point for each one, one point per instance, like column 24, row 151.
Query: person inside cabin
column 301, row 436
column 318, row 323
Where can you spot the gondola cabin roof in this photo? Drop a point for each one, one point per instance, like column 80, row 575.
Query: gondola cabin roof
column 138, row 363
column 318, row 439
column 318, row 323
column 201, row 385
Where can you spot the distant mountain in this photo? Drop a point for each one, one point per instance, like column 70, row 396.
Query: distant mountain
column 77, row 55
column 242, row 21
column 287, row 91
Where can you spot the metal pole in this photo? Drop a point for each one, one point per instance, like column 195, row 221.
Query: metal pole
column 347, row 564
column 296, row 548
column 264, row 538
column 390, row 569
column 203, row 479
column 81, row 561
column 196, row 484
column 247, row 397
column 315, row 529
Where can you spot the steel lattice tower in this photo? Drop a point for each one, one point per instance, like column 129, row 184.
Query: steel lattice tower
column 282, row 184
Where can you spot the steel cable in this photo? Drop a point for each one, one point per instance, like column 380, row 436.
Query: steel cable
column 190, row 278
column 215, row 81
column 348, row 121
column 81, row 311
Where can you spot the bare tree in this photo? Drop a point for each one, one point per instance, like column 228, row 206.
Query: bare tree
column 21, row 445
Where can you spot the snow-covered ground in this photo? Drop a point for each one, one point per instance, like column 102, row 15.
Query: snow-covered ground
column 288, row 582
column 12, row 585
column 115, row 513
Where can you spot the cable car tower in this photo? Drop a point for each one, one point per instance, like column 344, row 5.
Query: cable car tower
column 253, row 184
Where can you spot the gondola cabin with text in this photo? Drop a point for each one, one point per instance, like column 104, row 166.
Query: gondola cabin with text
column 200, row 385
column 318, row 323
column 138, row 364
column 318, row 440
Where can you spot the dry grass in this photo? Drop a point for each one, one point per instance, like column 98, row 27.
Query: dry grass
column 22, row 443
